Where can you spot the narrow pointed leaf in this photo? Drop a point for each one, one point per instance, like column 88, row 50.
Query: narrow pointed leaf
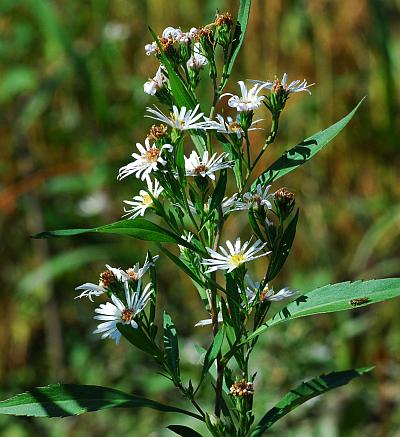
column 181, row 265
column 219, row 191
column 62, row 400
column 212, row 354
column 139, row 228
column 183, row 431
column 171, row 346
column 139, row 339
column 281, row 252
column 238, row 37
column 335, row 297
column 303, row 152
column 305, row 391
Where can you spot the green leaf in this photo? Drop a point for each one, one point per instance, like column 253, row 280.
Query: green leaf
column 219, row 191
column 335, row 297
column 303, row 152
column 212, row 354
column 181, row 265
column 62, row 400
column 171, row 346
column 138, row 338
column 139, row 228
column 238, row 37
column 183, row 431
column 281, row 252
column 305, row 391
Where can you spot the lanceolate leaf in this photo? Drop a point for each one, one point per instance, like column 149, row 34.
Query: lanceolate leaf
column 305, row 391
column 139, row 228
column 303, row 152
column 240, row 31
column 335, row 297
column 62, row 400
column 171, row 346
column 212, row 354
column 281, row 252
column 183, row 431
column 139, row 339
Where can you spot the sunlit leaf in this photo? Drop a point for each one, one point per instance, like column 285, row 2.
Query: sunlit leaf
column 171, row 346
column 335, row 297
column 303, row 152
column 62, row 400
column 139, row 228
column 305, row 391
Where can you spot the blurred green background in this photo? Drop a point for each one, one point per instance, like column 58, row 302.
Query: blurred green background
column 71, row 108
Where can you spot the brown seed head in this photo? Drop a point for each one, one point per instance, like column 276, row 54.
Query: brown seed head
column 242, row 388
column 205, row 32
column 106, row 279
column 223, row 19
column 166, row 43
column 157, row 131
column 284, row 195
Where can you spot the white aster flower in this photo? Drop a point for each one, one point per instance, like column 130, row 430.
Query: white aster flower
column 158, row 81
column 249, row 100
column 267, row 293
column 227, row 205
column 296, row 86
column 230, row 126
column 181, row 119
column 193, row 32
column 255, row 200
column 90, row 290
column 171, row 33
column 136, row 272
column 237, row 255
column 118, row 312
column 197, row 61
column 106, row 279
column 196, row 166
column 144, row 200
column 148, row 161
column 151, row 48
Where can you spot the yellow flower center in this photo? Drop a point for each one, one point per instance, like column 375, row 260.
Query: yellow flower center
column 238, row 259
column 147, row 200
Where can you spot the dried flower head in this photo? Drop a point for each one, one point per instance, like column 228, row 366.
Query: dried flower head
column 223, row 19
column 106, row 278
column 242, row 388
column 157, row 131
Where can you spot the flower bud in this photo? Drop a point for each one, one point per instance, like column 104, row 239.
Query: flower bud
column 223, row 34
column 284, row 202
column 245, row 119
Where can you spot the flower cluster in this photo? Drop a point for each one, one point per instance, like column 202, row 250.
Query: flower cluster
column 128, row 298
